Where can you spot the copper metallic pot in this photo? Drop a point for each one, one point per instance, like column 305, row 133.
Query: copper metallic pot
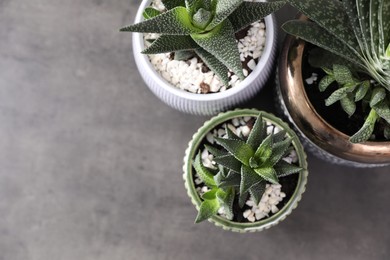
column 319, row 136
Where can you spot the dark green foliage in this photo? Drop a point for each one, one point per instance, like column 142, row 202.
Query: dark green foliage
column 244, row 167
column 212, row 24
column 356, row 33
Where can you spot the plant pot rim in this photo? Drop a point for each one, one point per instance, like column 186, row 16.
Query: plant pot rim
column 193, row 147
column 138, row 46
column 309, row 123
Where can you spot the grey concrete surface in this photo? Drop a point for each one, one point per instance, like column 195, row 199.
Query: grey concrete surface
column 90, row 159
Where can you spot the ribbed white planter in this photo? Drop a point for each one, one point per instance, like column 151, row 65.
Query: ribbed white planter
column 212, row 103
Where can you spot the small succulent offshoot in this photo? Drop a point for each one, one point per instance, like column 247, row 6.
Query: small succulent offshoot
column 206, row 27
column 354, row 37
column 243, row 167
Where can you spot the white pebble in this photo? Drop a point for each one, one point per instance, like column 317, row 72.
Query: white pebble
column 252, row 64
column 221, row 132
column 198, row 181
column 247, row 213
column 245, row 130
column 274, row 209
column 252, row 218
column 236, row 122
column 260, row 215
column 210, row 138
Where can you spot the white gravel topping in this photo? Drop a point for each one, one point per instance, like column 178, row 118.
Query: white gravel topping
column 190, row 75
column 268, row 203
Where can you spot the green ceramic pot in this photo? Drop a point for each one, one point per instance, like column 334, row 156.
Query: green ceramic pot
column 290, row 202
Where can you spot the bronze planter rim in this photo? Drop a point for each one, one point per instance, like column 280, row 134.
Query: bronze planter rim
column 310, row 123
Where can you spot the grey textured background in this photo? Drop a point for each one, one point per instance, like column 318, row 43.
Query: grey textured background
column 90, row 160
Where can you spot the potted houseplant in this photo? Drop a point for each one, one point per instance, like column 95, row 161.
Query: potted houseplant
column 185, row 39
column 245, row 170
column 334, row 75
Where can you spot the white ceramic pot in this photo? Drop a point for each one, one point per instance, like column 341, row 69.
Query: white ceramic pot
column 212, row 103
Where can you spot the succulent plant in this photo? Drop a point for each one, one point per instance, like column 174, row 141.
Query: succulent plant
column 207, row 27
column 355, row 53
column 243, row 167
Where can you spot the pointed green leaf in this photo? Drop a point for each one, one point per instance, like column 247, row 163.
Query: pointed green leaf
column 362, row 90
column 215, row 65
column 314, row 34
column 192, row 6
column 342, row 74
column 323, row 12
column 320, row 58
column 348, row 104
column 257, row 191
column 383, row 110
column 150, row 12
column 250, row 12
column 351, row 11
column 248, row 178
column 279, row 136
column 363, row 10
column 228, row 161
column 226, row 199
column 258, row 133
column 215, row 151
column 283, row 169
column 264, row 151
column 242, row 198
column 377, row 95
column 176, row 22
column 207, row 209
column 204, row 173
column 170, row 4
column 201, row 18
column 366, row 130
column 268, row 173
column 385, row 18
column 374, row 29
column 171, row 43
column 184, row 55
column 253, row 163
column 325, row 82
column 239, row 149
column 210, row 195
column 223, row 170
column 221, row 43
column 337, row 95
column 279, row 149
column 223, row 9
column 233, row 179
column 387, row 53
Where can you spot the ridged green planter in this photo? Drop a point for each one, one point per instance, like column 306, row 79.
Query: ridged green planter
column 262, row 224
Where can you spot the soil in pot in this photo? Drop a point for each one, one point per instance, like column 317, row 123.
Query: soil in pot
column 333, row 114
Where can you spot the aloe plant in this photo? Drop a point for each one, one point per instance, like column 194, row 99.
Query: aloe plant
column 355, row 36
column 243, row 167
column 207, row 27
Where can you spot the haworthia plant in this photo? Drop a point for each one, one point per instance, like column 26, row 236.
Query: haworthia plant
column 206, row 27
column 358, row 33
column 244, row 166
